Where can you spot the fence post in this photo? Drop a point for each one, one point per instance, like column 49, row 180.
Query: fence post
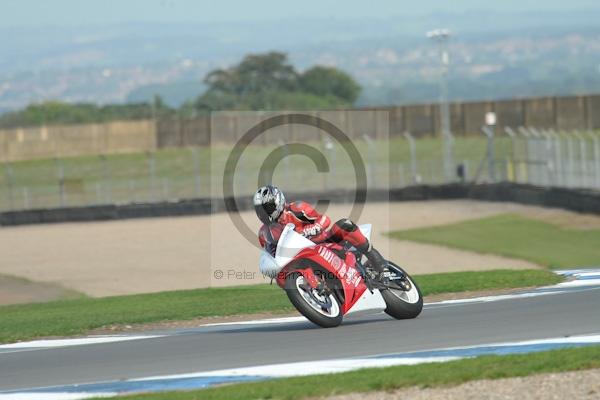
column 165, row 189
column 513, row 151
column 152, row 174
column 582, row 159
column 548, row 156
column 132, row 190
column 596, row 143
column 541, row 171
column 525, row 164
column 106, row 173
column 8, row 170
column 98, row 193
column 26, row 203
column 197, row 178
column 532, row 152
column 60, row 173
column 560, row 171
column 330, row 147
column 466, row 169
column 491, row 152
column 401, row 175
column 413, row 156
column 286, row 161
column 370, row 164
column 570, row 160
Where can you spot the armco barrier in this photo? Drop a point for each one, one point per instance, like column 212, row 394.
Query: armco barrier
column 579, row 200
column 574, row 200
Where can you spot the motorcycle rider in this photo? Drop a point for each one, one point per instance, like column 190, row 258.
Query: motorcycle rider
column 273, row 211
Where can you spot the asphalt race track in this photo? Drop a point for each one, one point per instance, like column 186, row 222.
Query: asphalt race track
column 563, row 311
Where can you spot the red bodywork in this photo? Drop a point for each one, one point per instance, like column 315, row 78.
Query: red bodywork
column 343, row 269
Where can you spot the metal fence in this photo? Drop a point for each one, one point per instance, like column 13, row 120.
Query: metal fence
column 184, row 173
column 524, row 155
column 548, row 158
column 95, row 180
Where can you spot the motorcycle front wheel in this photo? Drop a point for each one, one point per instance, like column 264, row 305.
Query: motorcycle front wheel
column 324, row 311
column 402, row 304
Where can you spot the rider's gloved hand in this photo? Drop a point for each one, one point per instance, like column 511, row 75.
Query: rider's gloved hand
column 311, row 230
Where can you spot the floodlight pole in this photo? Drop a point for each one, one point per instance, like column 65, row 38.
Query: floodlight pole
column 441, row 36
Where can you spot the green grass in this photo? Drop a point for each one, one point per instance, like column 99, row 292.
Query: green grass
column 77, row 316
column 455, row 282
column 391, row 378
column 515, row 236
column 123, row 178
column 73, row 317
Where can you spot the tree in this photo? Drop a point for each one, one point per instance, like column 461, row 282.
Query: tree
column 255, row 74
column 323, row 81
column 55, row 112
column 268, row 81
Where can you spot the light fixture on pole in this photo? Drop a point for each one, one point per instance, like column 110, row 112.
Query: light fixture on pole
column 441, row 37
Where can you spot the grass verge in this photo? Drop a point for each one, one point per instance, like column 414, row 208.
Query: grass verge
column 390, row 378
column 515, row 236
column 77, row 316
column 456, row 282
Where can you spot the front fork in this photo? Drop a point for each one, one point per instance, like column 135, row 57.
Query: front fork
column 317, row 285
column 315, row 282
column 310, row 277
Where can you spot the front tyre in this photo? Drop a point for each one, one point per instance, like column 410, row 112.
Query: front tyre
column 402, row 304
column 323, row 310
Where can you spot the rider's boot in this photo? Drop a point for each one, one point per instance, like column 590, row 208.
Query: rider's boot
column 378, row 263
column 347, row 230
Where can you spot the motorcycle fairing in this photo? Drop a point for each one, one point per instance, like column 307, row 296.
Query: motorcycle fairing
column 293, row 246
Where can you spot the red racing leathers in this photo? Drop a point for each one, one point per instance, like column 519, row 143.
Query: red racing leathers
column 313, row 225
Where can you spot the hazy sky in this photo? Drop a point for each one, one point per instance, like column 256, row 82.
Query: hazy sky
column 75, row 12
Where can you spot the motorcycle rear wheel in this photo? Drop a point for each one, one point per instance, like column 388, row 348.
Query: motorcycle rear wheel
column 325, row 312
column 402, row 304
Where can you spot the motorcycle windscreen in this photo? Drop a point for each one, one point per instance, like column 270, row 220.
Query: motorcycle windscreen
column 366, row 229
column 290, row 243
column 267, row 265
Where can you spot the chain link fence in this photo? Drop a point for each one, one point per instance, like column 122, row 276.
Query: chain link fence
column 522, row 155
column 184, row 173
column 547, row 158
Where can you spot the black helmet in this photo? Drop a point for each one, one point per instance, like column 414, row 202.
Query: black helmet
column 269, row 202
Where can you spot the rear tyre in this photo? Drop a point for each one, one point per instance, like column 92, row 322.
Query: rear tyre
column 402, row 304
column 324, row 311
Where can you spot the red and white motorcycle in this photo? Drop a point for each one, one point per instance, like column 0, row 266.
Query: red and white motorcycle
column 326, row 281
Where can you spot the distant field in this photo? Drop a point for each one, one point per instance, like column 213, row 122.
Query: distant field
column 516, row 236
column 186, row 173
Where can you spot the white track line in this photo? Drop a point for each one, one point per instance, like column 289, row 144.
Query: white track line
column 349, row 364
column 273, row 371
column 51, row 343
column 268, row 321
column 54, row 396
column 306, row 368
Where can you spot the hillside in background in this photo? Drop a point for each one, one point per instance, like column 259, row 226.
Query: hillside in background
column 266, row 81
column 493, row 55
